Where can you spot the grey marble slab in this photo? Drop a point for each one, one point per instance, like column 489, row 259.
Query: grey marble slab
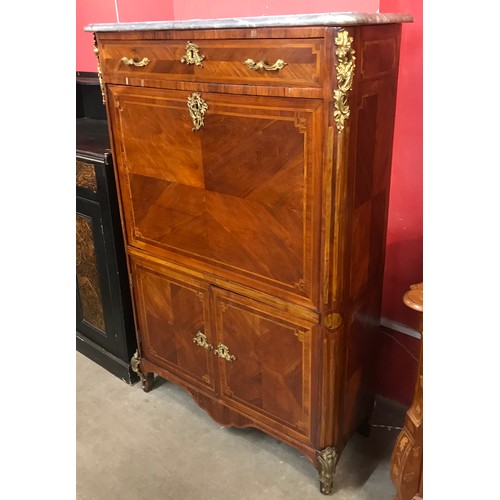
column 325, row 19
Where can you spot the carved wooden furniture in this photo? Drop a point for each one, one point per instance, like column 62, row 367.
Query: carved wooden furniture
column 407, row 457
column 253, row 159
column 104, row 323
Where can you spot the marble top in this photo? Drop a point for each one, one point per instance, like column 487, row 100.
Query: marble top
column 325, row 19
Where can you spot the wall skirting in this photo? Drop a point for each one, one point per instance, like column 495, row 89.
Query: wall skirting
column 399, row 327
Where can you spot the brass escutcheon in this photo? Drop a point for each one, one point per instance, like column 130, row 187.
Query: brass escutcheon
column 192, row 55
column 223, row 352
column 200, row 339
column 197, row 108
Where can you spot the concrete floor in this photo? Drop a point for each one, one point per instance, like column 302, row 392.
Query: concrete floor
column 160, row 445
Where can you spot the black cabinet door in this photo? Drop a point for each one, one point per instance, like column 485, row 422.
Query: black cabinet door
column 104, row 322
column 93, row 305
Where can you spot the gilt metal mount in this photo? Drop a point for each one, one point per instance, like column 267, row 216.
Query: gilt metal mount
column 345, row 76
column 327, row 460
column 279, row 64
column 129, row 61
column 99, row 71
column 193, row 55
column 200, row 339
column 332, row 320
column 223, row 352
column 146, row 379
column 197, row 108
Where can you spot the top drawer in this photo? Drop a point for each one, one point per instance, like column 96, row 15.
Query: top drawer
column 292, row 62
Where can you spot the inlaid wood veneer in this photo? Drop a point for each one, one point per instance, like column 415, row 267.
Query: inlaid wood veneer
column 253, row 161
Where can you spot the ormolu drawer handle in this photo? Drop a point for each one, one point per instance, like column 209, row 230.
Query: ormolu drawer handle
column 138, row 64
column 223, row 352
column 200, row 339
column 279, row 64
column 192, row 55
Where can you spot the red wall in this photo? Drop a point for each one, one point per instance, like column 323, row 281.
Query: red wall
column 403, row 265
column 113, row 11
column 105, row 11
column 191, row 9
column 398, row 354
column 87, row 12
column 404, row 235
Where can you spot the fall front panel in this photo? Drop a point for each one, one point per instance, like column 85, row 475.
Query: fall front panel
column 241, row 193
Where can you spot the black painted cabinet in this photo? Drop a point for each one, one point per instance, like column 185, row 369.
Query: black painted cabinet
column 105, row 329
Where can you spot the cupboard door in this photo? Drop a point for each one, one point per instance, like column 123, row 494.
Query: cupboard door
column 240, row 195
column 264, row 362
column 94, row 317
column 174, row 326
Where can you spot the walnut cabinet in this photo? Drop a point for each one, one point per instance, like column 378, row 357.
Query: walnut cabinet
column 253, row 164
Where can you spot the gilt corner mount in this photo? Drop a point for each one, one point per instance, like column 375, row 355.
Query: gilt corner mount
column 345, row 75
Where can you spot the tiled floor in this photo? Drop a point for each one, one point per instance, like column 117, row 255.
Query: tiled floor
column 133, row 445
